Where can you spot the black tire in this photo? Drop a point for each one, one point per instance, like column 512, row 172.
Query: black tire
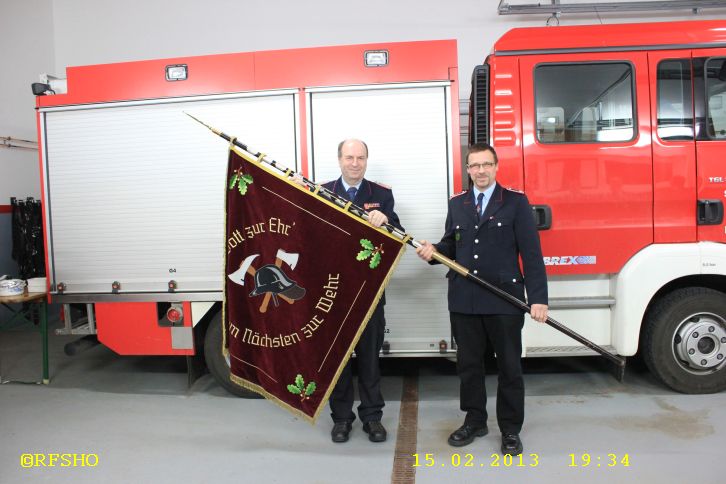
column 217, row 363
column 684, row 342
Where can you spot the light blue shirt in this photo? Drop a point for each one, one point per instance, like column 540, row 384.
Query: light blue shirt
column 487, row 195
column 346, row 186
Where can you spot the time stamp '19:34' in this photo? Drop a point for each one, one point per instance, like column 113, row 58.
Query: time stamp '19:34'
column 521, row 460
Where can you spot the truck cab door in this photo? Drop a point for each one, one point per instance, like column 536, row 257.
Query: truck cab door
column 674, row 146
column 586, row 143
column 709, row 70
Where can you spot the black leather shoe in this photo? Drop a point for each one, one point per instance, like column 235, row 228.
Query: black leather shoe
column 465, row 434
column 511, row 444
column 341, row 431
column 375, row 430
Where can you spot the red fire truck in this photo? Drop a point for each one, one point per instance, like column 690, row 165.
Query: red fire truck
column 612, row 131
column 617, row 135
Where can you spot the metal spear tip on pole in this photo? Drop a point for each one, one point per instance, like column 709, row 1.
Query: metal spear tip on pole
column 197, row 120
column 215, row 131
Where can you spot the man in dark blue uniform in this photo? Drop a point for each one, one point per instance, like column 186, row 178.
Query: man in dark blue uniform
column 488, row 228
column 378, row 201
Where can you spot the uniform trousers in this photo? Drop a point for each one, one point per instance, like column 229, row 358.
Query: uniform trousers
column 369, row 376
column 472, row 333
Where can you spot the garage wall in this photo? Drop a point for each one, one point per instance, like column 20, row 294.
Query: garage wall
column 26, row 38
column 48, row 35
column 93, row 31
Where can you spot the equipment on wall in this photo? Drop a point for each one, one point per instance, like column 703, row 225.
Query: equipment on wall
column 27, row 232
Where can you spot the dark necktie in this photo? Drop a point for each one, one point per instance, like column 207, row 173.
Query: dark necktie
column 479, row 200
column 351, row 193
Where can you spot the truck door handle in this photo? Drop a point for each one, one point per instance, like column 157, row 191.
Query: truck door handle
column 542, row 216
column 710, row 212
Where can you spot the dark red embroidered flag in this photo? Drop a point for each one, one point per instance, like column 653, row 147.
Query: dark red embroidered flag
column 302, row 278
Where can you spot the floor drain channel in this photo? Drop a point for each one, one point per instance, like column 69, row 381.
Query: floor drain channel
column 403, row 470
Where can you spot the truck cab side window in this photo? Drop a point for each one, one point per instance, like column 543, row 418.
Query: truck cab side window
column 584, row 103
column 675, row 100
column 716, row 98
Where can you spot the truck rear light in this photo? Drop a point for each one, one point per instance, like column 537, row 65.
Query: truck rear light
column 174, row 314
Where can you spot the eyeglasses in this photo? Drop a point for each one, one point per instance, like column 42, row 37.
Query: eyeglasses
column 479, row 166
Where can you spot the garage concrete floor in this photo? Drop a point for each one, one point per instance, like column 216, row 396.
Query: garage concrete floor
column 141, row 423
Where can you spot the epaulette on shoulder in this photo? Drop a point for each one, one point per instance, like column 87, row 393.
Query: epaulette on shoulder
column 457, row 194
column 387, row 187
column 513, row 190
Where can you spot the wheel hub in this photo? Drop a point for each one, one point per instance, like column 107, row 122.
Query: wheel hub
column 700, row 342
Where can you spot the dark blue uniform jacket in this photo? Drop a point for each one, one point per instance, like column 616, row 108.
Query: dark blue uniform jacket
column 491, row 249
column 370, row 196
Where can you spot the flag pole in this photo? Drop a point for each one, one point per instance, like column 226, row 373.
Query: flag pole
column 333, row 197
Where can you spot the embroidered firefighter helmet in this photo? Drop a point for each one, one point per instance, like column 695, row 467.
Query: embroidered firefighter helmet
column 270, row 278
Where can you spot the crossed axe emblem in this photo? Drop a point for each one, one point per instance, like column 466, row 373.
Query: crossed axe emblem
column 276, row 284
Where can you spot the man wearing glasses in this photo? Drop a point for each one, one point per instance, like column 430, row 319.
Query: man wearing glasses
column 488, row 228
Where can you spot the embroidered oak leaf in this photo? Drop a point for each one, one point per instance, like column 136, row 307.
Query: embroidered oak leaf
column 367, row 244
column 242, row 180
column 375, row 260
column 299, row 388
column 369, row 250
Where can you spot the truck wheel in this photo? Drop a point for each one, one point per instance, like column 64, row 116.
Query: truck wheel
column 684, row 344
column 217, row 363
